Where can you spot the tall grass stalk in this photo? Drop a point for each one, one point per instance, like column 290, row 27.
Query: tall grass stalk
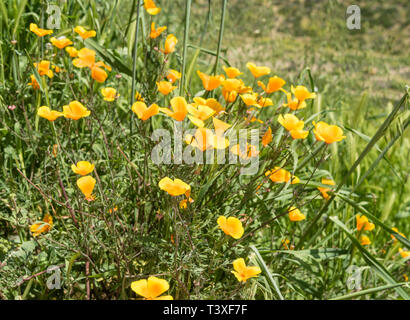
column 185, row 46
column 134, row 68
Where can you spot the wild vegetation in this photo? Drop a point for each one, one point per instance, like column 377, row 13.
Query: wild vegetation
column 114, row 118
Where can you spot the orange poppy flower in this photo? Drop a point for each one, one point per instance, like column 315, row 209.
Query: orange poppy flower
column 363, row 223
column 83, row 168
column 151, row 289
column 275, row 84
column 83, row 33
column 173, row 75
column 231, row 226
column 144, row 113
column 364, row 240
column 251, row 151
column 61, row 43
column 302, row 93
column 250, row 99
column 155, row 33
column 257, row 71
column 404, row 253
column 45, row 226
column 43, row 68
column 210, row 82
column 86, row 58
column 327, row 133
column 295, row 214
column 179, row 107
column 242, row 272
column 47, row 113
column 151, row 8
column 263, row 102
column 229, row 96
column 75, row 110
column 73, row 52
column 293, row 104
column 170, row 43
column 165, row 87
column 232, row 72
column 86, row 185
column 38, row 31
column 34, row 84
column 293, row 125
column 175, row 187
column 267, row 137
column 280, row 175
column 324, row 191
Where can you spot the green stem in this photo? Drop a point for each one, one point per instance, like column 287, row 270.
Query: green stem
column 134, row 67
column 186, row 34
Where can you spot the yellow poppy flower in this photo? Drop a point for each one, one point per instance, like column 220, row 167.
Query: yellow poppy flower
column 294, row 104
column 155, row 33
column 151, row 289
column 274, row 84
column 179, row 109
column 143, row 112
column 267, row 137
column 75, row 110
column 295, row 214
column 250, row 99
column 257, row 71
column 86, row 185
column 83, row 168
column 229, row 96
column 109, row 93
column 174, row 187
column 327, row 133
column 264, row 102
column 404, row 253
column 210, row 82
column 242, row 272
column 173, row 75
column 38, row 228
column 232, row 72
column 151, row 8
column 324, row 191
column 170, row 43
column 73, row 52
column 165, row 87
column 86, row 58
column 231, row 85
column 47, row 113
column 200, row 112
column 60, row 43
column 364, row 240
column 293, row 125
column 38, row 31
column 280, row 175
column 83, row 33
column 231, row 226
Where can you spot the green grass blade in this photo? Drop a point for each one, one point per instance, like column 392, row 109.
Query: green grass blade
column 266, row 271
column 372, row 262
